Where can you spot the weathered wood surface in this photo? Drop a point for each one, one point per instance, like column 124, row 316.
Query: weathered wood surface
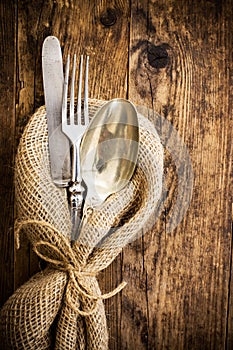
column 174, row 57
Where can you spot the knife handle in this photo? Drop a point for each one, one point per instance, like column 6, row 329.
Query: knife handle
column 76, row 201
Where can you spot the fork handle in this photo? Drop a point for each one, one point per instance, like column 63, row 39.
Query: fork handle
column 76, row 200
column 76, row 168
column 75, row 189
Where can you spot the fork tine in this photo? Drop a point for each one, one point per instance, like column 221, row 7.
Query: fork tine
column 72, row 92
column 65, row 91
column 79, row 102
column 86, row 118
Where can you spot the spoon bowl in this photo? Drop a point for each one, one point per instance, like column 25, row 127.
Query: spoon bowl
column 109, row 151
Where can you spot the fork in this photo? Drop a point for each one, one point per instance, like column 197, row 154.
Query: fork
column 74, row 130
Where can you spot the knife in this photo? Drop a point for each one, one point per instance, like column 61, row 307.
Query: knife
column 59, row 148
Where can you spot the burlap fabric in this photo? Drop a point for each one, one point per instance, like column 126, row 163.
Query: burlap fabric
column 62, row 306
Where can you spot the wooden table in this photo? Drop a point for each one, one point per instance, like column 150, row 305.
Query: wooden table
column 174, row 57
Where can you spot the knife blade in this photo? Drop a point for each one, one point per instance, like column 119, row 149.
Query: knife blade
column 59, row 148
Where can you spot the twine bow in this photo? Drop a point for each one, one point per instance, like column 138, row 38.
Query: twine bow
column 68, row 263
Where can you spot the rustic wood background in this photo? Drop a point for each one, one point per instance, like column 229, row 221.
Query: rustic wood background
column 175, row 57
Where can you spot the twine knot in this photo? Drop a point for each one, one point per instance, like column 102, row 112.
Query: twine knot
column 68, row 263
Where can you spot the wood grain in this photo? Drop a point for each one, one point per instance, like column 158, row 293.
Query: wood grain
column 7, row 145
column 175, row 59
column 179, row 66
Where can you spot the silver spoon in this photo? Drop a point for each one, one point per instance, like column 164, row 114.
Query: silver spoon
column 109, row 151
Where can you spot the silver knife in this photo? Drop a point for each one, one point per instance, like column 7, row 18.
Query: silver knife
column 59, row 148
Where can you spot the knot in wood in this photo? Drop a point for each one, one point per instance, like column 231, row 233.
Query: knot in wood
column 109, row 17
column 158, row 56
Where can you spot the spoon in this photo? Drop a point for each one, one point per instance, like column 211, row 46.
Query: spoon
column 109, row 151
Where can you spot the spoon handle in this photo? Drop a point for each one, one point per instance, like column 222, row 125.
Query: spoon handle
column 87, row 211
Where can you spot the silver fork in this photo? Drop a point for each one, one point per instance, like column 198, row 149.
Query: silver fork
column 74, row 130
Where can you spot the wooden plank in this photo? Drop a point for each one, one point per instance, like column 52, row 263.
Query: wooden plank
column 180, row 63
column 7, row 143
column 28, row 55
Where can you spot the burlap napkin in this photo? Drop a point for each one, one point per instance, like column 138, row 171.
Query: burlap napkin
column 62, row 306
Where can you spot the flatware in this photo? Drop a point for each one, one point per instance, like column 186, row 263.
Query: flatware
column 104, row 154
column 74, row 128
column 52, row 67
column 109, row 151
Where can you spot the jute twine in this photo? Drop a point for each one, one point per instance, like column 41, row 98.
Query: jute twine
column 62, row 306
